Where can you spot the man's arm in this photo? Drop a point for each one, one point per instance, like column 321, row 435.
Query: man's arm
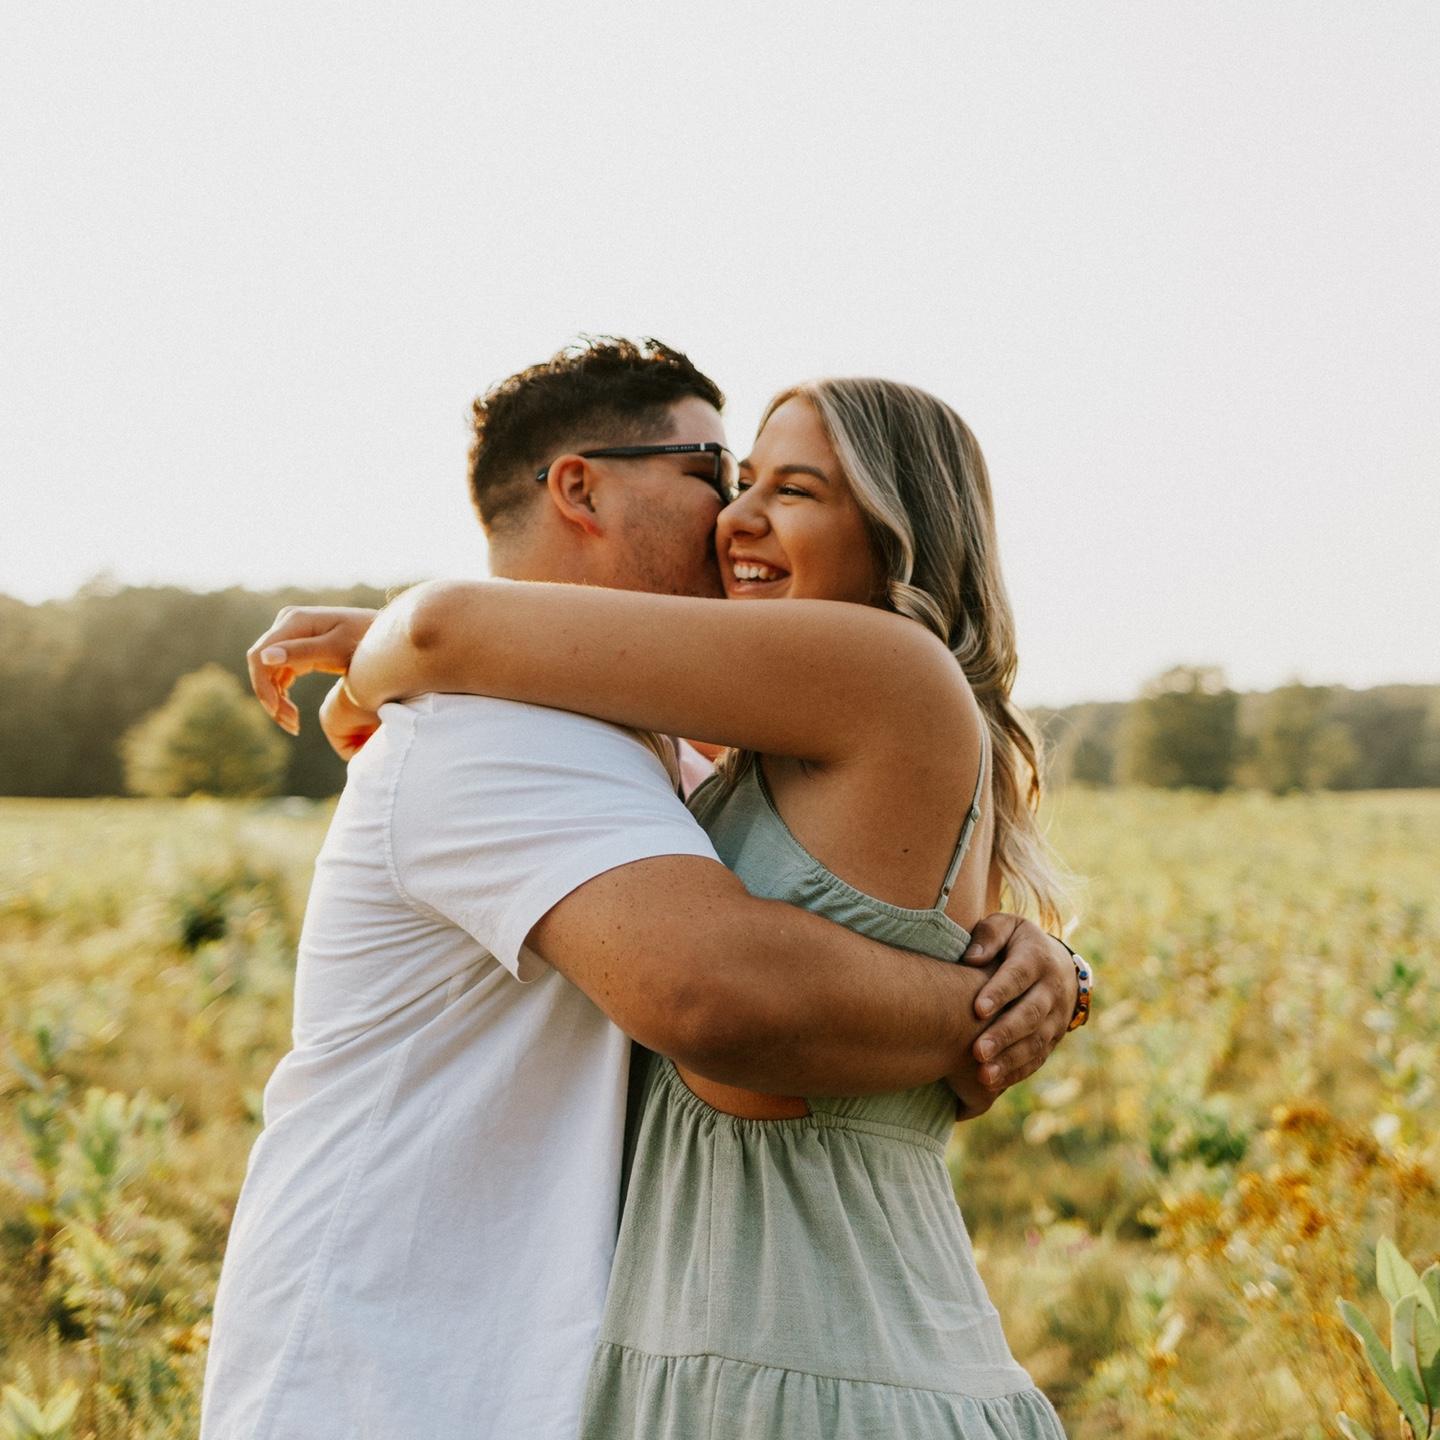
column 758, row 993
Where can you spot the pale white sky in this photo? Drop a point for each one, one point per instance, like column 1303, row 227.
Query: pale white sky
column 1177, row 264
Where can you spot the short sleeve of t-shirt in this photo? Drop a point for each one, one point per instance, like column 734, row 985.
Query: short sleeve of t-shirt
column 500, row 810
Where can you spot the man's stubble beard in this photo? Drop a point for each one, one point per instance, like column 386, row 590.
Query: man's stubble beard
column 662, row 560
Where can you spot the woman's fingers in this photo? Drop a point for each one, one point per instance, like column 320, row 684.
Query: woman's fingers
column 329, row 651
column 303, row 639
column 263, row 676
column 271, row 660
column 284, row 714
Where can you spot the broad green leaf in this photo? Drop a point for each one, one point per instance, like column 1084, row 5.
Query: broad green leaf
column 1402, row 1332
column 1405, row 1360
column 1427, row 1343
column 1385, row 1371
column 1427, row 1337
column 1353, row 1429
column 1375, row 1352
column 1430, row 1288
column 1394, row 1273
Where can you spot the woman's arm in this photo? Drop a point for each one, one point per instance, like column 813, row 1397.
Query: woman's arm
column 817, row 679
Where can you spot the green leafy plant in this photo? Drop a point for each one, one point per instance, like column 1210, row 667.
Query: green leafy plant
column 41, row 1113
column 22, row 1417
column 1410, row 1369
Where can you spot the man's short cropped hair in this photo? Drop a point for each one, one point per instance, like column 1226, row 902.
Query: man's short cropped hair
column 603, row 390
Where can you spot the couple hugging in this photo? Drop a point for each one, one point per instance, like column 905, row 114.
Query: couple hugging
column 476, row 1210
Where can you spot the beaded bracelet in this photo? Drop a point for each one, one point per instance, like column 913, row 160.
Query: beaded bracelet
column 1084, row 980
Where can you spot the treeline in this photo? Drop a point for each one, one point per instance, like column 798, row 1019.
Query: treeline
column 1188, row 728
column 78, row 674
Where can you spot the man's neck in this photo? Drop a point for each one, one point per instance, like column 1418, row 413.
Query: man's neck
column 539, row 563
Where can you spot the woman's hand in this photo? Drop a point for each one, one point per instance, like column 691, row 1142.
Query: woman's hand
column 302, row 639
column 346, row 723
column 1031, row 996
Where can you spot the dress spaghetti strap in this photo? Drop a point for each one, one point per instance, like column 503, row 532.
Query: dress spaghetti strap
column 968, row 830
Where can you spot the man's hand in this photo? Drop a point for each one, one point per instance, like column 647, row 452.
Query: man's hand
column 1031, row 994
column 972, row 1099
column 303, row 638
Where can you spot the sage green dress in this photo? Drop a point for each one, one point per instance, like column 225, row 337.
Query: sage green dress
column 806, row 1279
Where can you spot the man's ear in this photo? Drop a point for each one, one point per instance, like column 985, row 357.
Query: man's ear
column 571, row 486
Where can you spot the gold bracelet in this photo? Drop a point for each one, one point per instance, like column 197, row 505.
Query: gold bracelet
column 350, row 699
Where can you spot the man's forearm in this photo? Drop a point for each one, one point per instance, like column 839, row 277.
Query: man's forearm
column 798, row 1005
column 757, row 993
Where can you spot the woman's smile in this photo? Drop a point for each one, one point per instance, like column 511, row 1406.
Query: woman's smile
column 749, row 575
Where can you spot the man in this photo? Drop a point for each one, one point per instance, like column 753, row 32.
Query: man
column 506, row 892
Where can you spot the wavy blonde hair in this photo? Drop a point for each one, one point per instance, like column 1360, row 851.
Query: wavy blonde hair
column 917, row 473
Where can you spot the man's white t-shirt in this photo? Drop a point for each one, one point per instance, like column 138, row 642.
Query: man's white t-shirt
column 425, row 1233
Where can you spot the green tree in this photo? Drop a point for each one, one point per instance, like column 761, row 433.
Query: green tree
column 209, row 737
column 1388, row 726
column 1300, row 745
column 1184, row 730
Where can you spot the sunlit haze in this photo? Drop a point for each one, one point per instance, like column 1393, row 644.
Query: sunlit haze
column 1178, row 266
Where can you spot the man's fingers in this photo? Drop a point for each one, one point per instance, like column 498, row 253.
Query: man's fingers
column 1015, row 977
column 990, row 937
column 1022, row 1058
column 1024, row 1018
column 1022, row 1070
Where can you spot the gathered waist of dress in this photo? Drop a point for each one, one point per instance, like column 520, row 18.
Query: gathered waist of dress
column 921, row 1117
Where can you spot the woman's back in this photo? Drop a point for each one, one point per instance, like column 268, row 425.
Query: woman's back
column 754, row 840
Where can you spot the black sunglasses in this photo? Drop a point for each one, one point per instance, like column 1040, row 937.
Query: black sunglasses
column 724, row 481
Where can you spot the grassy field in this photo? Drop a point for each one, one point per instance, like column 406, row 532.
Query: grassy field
column 1165, row 1215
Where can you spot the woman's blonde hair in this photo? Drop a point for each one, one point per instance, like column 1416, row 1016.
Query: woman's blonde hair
column 917, row 473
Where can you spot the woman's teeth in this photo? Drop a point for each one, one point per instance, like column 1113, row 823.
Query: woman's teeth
column 746, row 570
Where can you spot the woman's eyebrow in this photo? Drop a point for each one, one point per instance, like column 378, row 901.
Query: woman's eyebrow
column 802, row 470
column 748, row 464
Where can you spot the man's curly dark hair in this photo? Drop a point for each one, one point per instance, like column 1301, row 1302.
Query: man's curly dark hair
column 601, row 388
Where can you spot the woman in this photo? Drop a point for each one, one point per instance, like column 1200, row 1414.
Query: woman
column 790, row 1267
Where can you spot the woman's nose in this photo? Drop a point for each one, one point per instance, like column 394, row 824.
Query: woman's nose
column 744, row 515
